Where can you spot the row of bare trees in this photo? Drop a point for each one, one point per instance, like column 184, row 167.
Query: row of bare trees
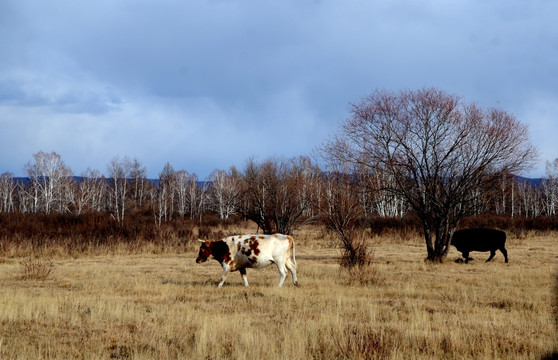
column 515, row 196
column 276, row 195
column 527, row 197
column 50, row 187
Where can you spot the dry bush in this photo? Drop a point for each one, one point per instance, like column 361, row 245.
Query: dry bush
column 356, row 250
column 358, row 260
column 35, row 269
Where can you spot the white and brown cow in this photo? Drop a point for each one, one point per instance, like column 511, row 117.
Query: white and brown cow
column 251, row 251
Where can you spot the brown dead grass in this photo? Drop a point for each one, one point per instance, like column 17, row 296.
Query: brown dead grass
column 147, row 306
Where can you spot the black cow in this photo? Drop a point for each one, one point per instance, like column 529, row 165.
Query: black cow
column 469, row 240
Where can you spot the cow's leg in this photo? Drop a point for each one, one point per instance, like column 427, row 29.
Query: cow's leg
column 225, row 274
column 282, row 272
column 292, row 268
column 466, row 256
column 243, row 275
column 505, row 252
column 492, row 254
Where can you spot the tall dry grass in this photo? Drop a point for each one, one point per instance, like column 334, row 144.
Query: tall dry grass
column 147, row 306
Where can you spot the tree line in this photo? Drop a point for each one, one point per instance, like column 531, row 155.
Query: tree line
column 278, row 195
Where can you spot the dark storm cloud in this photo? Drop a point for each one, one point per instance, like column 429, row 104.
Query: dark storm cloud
column 206, row 84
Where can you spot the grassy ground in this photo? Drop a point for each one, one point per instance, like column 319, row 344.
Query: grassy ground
column 148, row 306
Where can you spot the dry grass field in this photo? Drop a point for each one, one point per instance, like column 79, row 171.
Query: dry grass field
column 164, row 306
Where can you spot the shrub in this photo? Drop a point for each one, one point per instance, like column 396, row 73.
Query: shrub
column 357, row 258
column 35, row 269
column 356, row 250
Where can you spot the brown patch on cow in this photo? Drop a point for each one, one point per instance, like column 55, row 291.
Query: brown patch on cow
column 253, row 259
column 237, row 246
column 246, row 241
column 254, row 247
column 261, row 237
column 253, row 238
column 204, row 253
column 220, row 251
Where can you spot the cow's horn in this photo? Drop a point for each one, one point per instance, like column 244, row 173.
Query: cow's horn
column 200, row 240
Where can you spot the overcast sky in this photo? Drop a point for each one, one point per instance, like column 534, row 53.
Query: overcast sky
column 206, row 84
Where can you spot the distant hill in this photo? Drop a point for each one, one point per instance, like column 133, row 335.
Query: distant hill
column 536, row 182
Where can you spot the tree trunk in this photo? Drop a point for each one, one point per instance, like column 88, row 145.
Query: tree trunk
column 437, row 248
column 429, row 247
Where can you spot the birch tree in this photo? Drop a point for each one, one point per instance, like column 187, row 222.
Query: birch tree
column 182, row 178
column 163, row 200
column 47, row 173
column 197, row 196
column 138, row 175
column 7, row 190
column 90, row 192
column 192, row 196
column 550, row 188
column 224, row 193
column 385, row 202
column 118, row 172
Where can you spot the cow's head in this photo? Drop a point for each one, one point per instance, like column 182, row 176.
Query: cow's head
column 205, row 251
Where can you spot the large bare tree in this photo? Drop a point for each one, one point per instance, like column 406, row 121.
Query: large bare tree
column 440, row 153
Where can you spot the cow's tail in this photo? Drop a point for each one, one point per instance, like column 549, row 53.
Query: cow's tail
column 292, row 246
column 291, row 260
